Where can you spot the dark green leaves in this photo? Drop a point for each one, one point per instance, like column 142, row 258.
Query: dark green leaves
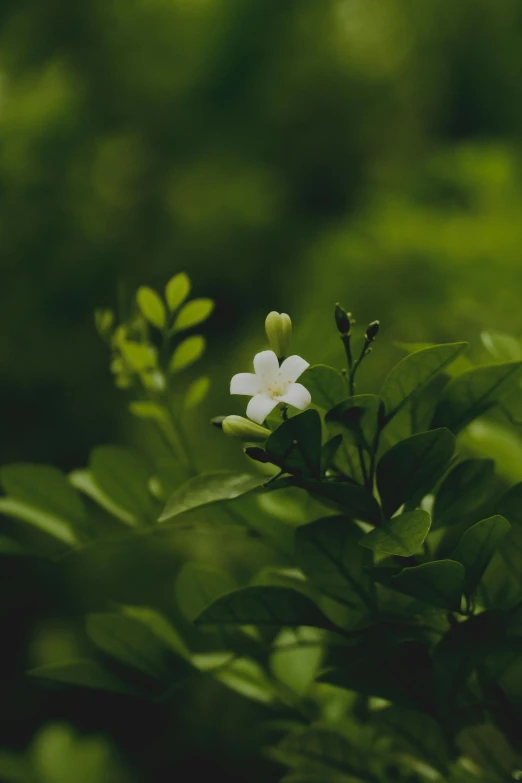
column 197, row 586
column 417, row 733
column 296, row 444
column 414, row 373
column 410, row 468
column 323, row 755
column 402, row 535
column 138, row 638
column 209, row 488
column 82, row 671
column 352, row 499
column 122, row 476
column 358, row 417
column 326, row 385
column 473, row 392
column 463, row 490
column 477, row 546
column 42, row 496
column 264, row 606
column 327, row 552
column 247, row 677
column 440, row 583
column 383, row 664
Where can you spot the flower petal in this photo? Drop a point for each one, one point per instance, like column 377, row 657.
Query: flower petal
column 266, row 365
column 293, row 367
column 259, row 407
column 297, row 396
column 245, row 383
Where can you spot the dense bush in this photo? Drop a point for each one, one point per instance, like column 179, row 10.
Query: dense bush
column 379, row 624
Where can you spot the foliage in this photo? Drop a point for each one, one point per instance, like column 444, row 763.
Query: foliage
column 385, row 632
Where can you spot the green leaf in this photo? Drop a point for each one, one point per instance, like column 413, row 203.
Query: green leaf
column 150, row 411
column 130, row 641
column 471, row 394
column 327, row 552
column 326, row 385
column 502, row 346
column 188, row 352
column 197, row 586
column 139, row 356
column 11, row 548
column 417, row 733
column 456, row 367
column 193, row 313
column 81, row 671
column 487, row 747
column 325, row 752
column 103, row 320
column 159, row 626
column 510, row 504
column 296, row 444
column 280, row 606
column 440, row 583
column 151, row 306
column 490, row 439
column 402, row 535
column 123, row 477
column 42, row 496
column 477, row 545
column 409, row 469
column 248, row 678
column 329, row 451
column 358, row 415
column 353, row 500
column 47, row 522
column 464, row 489
column 382, row 665
column 296, row 657
column 414, row 372
column 196, row 393
column 215, row 487
column 177, row 290
column 84, row 482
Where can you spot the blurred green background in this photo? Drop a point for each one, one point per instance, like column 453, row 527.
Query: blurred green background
column 286, row 155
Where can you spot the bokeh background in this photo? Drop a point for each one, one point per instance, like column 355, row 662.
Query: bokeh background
column 286, row 155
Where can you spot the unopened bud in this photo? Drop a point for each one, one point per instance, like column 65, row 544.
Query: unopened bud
column 342, row 319
column 372, row 331
column 238, row 427
column 278, row 327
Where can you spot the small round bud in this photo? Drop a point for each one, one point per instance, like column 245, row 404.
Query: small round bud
column 278, row 327
column 238, row 427
column 342, row 319
column 372, row 331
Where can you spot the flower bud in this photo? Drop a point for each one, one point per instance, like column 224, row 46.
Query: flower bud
column 278, row 327
column 372, row 331
column 238, row 427
column 342, row 319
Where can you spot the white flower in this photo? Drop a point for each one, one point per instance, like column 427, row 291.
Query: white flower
column 271, row 385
